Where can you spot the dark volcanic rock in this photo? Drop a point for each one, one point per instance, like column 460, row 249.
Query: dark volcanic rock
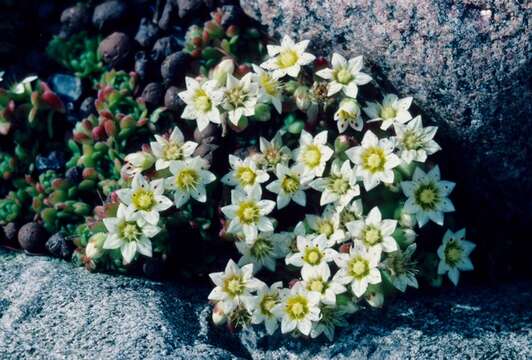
column 186, row 7
column 164, row 47
column 147, row 33
column 115, row 48
column 74, row 19
column 59, row 246
column 142, row 64
column 109, row 14
column 32, row 237
column 48, row 309
column 172, row 100
column 467, row 65
column 153, row 94
column 173, row 66
column 10, row 231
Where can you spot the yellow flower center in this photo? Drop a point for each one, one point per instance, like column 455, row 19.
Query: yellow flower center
column 388, row 112
column 338, row 185
column 343, row 75
column 202, row 101
column 236, row 96
column 172, row 151
column 248, row 212
column 234, row 285
column 317, row 285
column 371, row 235
column 411, row 141
column 427, row 196
column 287, row 58
column 373, row 159
column 261, row 248
column 129, row 231
column 358, row 267
column 267, row 304
column 312, row 256
column 269, row 84
column 326, row 228
column 272, row 156
column 297, row 307
column 143, row 199
column 246, row 175
column 453, row 253
column 290, row 184
column 312, row 156
column 187, row 179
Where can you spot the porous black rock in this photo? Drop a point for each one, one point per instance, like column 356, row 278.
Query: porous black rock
column 75, row 19
column 10, row 231
column 32, row 237
column 115, row 48
column 163, row 47
column 153, row 94
column 187, row 7
column 172, row 101
column 109, row 14
column 59, row 246
column 55, row 160
column 142, row 65
column 147, row 33
column 174, row 66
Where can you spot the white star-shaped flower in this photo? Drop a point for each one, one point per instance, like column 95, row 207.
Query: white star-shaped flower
column 298, row 309
column 344, row 75
column 312, row 251
column 244, row 174
column 313, row 152
column 264, row 250
column 188, row 179
column 240, row 97
column 414, row 141
column 290, row 185
column 267, row 298
column 287, row 58
column 270, row 89
column 339, row 187
column 348, row 114
column 372, row 231
column 202, row 100
column 454, row 255
column 392, row 111
column 171, row 148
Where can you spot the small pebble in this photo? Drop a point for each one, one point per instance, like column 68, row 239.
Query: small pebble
column 115, row 48
column 32, row 237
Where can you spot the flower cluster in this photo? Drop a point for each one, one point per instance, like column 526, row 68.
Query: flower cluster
column 162, row 176
column 330, row 210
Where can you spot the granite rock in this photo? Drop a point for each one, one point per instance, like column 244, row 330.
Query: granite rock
column 49, row 309
column 466, row 63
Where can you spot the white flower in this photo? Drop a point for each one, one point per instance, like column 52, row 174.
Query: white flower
column 234, row 287
column 351, row 212
column 137, row 162
column 328, row 224
column 392, row 111
column 273, row 152
column 374, row 232
column 288, row 58
column 264, row 251
column 270, row 89
column 313, row 153
column 454, row 255
column 290, row 185
column 427, row 196
column 401, row 268
column 313, row 251
column 298, row 310
column 359, row 268
column 202, row 102
column 247, row 213
column 375, row 160
column 244, row 174
column 240, row 97
column 414, row 141
column 220, row 72
column 317, row 279
column 20, row 87
column 267, row 298
column 189, row 180
column 339, row 187
column 344, row 76
column 2, row 76
column 348, row 114
column 128, row 233
column 145, row 198
column 171, row 149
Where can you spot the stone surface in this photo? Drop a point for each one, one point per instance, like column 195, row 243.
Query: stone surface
column 466, row 63
column 48, row 309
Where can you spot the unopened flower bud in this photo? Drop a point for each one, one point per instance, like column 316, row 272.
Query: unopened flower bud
column 341, row 144
column 218, row 315
column 140, row 160
column 220, row 71
column 302, row 98
column 95, row 245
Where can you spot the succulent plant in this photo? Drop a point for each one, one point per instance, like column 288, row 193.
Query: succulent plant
column 78, row 53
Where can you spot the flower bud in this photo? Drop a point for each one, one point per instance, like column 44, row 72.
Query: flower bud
column 262, row 112
column 291, row 86
column 94, row 246
column 302, row 98
column 141, row 160
column 218, row 315
column 341, row 144
column 220, row 71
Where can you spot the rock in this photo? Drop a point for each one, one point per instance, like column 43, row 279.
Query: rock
column 74, row 19
column 173, row 66
column 115, row 48
column 55, row 160
column 164, row 47
column 186, row 7
column 153, row 94
column 67, row 87
column 172, row 101
column 109, row 14
column 50, row 309
column 467, row 66
column 32, row 237
column 59, row 246
column 142, row 65
column 87, row 106
column 10, row 231
column 147, row 33
column 167, row 15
